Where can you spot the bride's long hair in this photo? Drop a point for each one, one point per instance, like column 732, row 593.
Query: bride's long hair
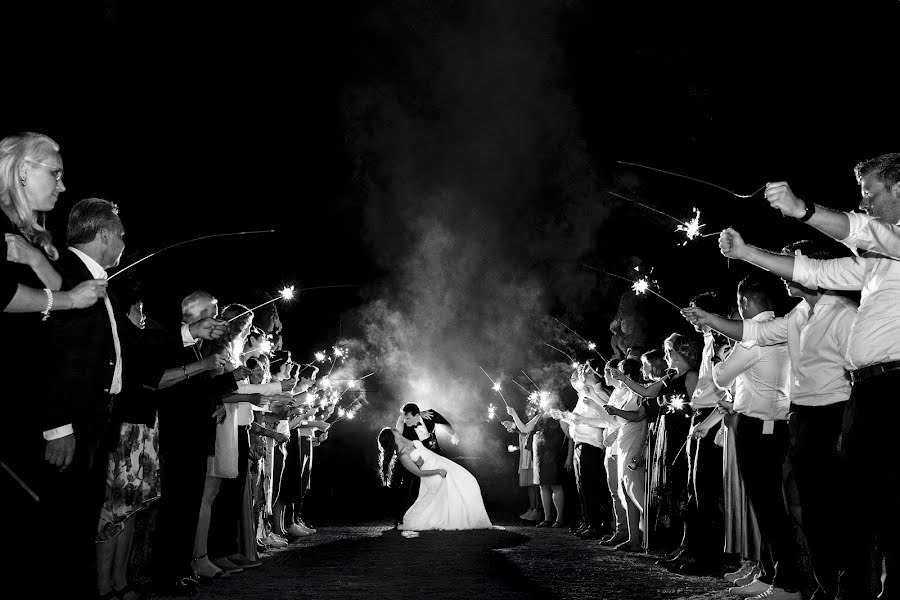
column 387, row 449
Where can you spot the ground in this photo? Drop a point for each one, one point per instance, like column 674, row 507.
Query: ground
column 374, row 561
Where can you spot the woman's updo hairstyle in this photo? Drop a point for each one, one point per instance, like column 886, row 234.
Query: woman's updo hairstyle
column 387, row 448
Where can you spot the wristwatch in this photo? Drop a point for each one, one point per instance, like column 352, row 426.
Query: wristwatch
column 810, row 211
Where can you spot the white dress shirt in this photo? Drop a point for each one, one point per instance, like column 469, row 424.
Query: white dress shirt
column 760, row 375
column 706, row 394
column 817, row 345
column 588, row 434
column 629, row 431
column 115, row 386
column 875, row 332
column 869, row 234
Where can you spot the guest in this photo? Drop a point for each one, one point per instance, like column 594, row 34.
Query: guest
column 186, row 400
column 668, row 493
column 526, row 474
column 589, row 453
column 874, row 342
column 550, row 458
column 31, row 179
column 89, row 356
column 761, row 378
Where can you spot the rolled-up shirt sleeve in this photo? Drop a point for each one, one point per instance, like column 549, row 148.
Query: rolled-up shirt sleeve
column 834, row 274
column 870, row 234
column 59, row 432
column 740, row 359
column 766, row 333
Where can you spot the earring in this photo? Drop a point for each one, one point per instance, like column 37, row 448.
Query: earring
column 23, row 181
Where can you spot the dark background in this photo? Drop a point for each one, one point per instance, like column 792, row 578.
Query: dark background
column 353, row 128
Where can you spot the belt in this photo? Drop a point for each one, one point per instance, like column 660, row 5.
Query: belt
column 873, row 370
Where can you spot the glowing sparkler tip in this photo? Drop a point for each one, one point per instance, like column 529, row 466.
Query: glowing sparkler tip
column 533, row 396
column 512, row 448
column 351, row 384
column 492, row 412
column 265, row 346
column 692, row 228
column 592, row 346
column 287, row 293
column 341, row 413
column 320, row 356
column 641, row 286
column 326, row 382
column 338, row 353
column 496, row 387
column 350, row 415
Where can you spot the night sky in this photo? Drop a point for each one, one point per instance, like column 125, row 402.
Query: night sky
column 452, row 158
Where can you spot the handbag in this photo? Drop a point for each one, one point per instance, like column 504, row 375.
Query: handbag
column 720, row 436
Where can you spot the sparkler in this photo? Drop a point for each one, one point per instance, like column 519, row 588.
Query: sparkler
column 285, row 294
column 690, row 228
column 205, row 237
column 574, row 362
column 512, row 448
column 531, row 380
column 640, row 286
column 492, row 411
column 590, row 345
column 495, row 385
column 703, row 181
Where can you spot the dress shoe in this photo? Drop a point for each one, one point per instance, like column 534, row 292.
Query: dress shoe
column 576, row 527
column 750, row 576
column 613, row 540
column 588, row 533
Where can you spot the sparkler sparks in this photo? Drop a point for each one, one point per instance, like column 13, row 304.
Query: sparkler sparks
column 492, row 412
column 640, row 286
column 512, row 448
column 319, row 356
column 496, row 387
column 285, row 294
column 692, row 228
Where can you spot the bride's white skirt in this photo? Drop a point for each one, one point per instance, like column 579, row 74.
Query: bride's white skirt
column 451, row 502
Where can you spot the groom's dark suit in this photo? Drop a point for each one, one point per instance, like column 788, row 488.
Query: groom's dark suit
column 405, row 485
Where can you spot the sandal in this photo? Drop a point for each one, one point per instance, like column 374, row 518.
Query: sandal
column 544, row 524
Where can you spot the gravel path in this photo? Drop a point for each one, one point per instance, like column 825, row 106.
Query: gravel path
column 374, row 561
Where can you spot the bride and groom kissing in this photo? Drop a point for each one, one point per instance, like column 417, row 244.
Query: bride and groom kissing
column 429, row 491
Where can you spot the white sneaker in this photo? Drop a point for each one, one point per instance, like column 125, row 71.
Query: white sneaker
column 304, row 527
column 295, row 531
column 776, row 593
column 745, row 569
column 754, row 588
column 272, row 542
column 750, row 576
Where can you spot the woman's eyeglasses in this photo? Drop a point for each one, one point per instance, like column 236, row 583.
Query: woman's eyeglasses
column 55, row 172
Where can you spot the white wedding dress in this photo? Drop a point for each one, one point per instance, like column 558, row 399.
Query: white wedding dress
column 451, row 502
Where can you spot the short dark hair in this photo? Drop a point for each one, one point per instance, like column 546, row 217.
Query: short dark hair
column 88, row 217
column 885, row 167
column 809, row 249
column 710, row 302
column 757, row 290
column 631, row 367
column 411, row 408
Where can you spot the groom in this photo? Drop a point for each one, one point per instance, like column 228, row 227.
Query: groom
column 415, row 425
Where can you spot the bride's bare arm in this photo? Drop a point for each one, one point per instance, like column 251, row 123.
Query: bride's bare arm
column 413, row 468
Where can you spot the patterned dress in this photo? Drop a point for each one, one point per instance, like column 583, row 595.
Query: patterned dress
column 132, row 478
column 668, row 477
column 549, row 444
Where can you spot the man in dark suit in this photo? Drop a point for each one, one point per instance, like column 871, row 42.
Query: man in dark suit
column 91, row 354
column 415, row 425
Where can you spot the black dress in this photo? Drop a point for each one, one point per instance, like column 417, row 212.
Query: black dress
column 668, row 477
column 549, row 443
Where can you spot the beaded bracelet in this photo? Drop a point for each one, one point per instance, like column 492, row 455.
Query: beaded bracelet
column 46, row 311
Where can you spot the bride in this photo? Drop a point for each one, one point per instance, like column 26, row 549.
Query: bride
column 449, row 496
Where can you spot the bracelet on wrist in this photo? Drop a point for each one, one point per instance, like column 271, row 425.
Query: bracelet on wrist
column 46, row 311
column 184, row 369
